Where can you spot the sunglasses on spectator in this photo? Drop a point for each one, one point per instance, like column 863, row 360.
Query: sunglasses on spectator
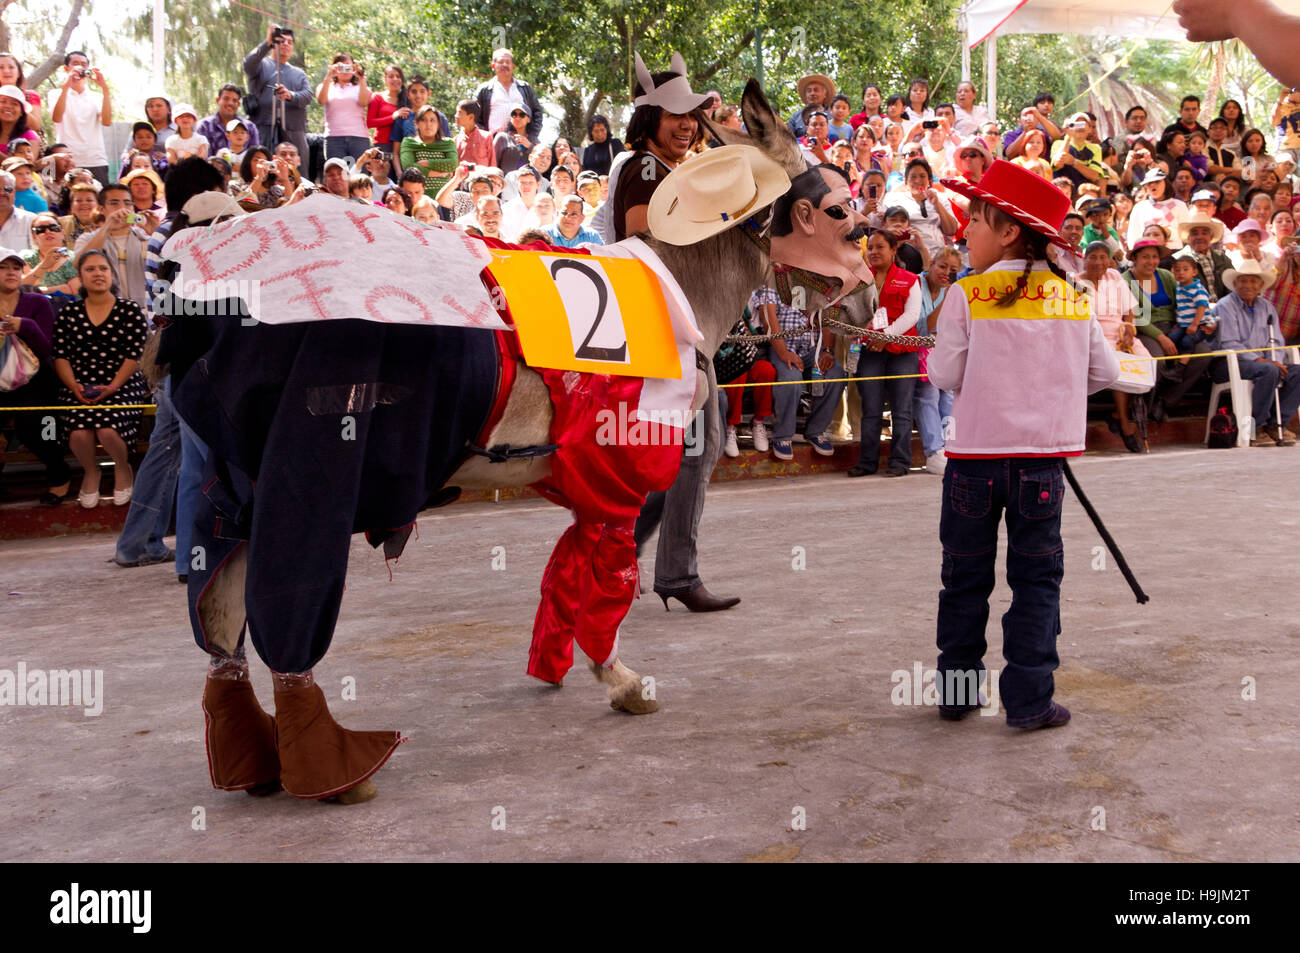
column 8, row 190
column 573, row 213
column 970, row 154
column 42, row 229
column 518, row 113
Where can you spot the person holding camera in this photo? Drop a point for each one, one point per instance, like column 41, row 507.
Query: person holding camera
column 269, row 180
column 81, row 115
column 279, row 91
column 49, row 263
column 123, row 238
column 344, row 94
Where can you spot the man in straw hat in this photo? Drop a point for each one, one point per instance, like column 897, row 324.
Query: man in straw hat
column 815, row 89
column 1247, row 321
column 1021, row 370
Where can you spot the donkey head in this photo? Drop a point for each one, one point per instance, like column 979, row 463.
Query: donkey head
column 765, row 131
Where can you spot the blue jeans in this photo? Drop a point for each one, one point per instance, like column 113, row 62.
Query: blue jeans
column 975, row 494
column 785, row 398
column 1185, row 341
column 1267, row 379
column 194, row 454
column 884, row 364
column 155, row 486
column 346, row 147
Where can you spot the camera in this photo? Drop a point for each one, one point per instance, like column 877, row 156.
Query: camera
column 277, row 35
column 134, row 218
column 81, row 72
column 930, row 124
column 91, row 390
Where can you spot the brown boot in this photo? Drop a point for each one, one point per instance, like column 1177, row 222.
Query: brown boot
column 240, row 738
column 318, row 757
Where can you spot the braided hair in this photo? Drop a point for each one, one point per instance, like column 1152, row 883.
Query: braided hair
column 1031, row 245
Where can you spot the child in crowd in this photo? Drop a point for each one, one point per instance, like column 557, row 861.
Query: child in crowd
column 1197, row 158
column 1021, row 376
column 1195, row 320
column 1099, row 229
column 237, row 135
column 185, row 142
column 27, row 195
column 21, row 148
column 361, row 188
column 841, row 129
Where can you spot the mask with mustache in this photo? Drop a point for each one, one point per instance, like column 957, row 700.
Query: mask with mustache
column 815, row 229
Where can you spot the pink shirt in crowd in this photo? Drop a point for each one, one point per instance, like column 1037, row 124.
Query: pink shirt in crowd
column 343, row 114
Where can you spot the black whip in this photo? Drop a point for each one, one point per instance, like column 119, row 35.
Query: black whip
column 1105, row 536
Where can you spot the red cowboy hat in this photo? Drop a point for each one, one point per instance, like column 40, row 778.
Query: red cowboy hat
column 1028, row 198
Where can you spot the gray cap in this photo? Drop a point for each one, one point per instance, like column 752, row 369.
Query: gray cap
column 7, row 253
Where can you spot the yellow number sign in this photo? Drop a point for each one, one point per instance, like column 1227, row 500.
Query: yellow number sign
column 587, row 313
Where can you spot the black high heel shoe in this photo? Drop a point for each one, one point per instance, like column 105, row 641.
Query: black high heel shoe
column 700, row 599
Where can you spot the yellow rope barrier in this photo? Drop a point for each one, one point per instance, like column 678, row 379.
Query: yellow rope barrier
column 825, row 380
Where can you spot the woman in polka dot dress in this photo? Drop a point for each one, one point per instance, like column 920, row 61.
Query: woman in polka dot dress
column 98, row 341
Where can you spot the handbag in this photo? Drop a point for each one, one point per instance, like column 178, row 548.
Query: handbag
column 735, row 357
column 18, row 363
column 1137, row 374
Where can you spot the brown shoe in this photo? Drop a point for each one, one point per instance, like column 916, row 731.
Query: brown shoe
column 1263, row 438
column 1285, row 438
column 320, row 758
column 240, row 738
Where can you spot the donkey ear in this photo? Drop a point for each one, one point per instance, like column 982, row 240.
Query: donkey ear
column 678, row 64
column 760, row 120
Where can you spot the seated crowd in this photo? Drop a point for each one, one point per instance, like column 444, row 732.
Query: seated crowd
column 1187, row 228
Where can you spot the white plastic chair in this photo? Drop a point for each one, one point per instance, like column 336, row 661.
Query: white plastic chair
column 1242, row 394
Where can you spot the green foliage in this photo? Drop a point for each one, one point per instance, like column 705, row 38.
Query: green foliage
column 579, row 53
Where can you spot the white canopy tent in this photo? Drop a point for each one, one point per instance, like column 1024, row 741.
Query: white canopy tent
column 983, row 20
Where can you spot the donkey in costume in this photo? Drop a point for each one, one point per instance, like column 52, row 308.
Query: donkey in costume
column 266, row 400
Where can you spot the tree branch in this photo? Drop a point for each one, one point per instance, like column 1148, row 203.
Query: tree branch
column 55, row 59
column 728, row 57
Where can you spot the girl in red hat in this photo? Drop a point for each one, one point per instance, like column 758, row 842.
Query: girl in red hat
column 1017, row 345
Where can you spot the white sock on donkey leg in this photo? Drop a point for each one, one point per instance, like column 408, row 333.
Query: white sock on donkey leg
column 624, row 689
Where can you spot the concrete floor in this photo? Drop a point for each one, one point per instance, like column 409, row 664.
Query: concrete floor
column 781, row 704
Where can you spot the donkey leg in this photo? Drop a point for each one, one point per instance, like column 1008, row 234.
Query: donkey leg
column 624, row 689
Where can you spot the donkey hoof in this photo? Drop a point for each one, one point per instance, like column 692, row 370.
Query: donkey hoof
column 632, row 701
column 365, row 791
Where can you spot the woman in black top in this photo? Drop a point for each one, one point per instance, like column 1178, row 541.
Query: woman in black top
column 601, row 148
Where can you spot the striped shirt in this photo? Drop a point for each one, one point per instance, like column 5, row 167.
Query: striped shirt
column 1190, row 297
column 153, row 261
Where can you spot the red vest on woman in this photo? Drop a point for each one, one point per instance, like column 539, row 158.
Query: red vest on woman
column 893, row 298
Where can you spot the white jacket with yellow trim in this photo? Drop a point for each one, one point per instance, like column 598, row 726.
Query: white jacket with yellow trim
column 1020, row 375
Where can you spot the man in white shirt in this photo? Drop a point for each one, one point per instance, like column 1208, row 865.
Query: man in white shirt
column 514, row 213
column 499, row 96
column 81, row 115
column 15, row 223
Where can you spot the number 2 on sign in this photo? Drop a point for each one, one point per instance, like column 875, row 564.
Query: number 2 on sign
column 578, row 301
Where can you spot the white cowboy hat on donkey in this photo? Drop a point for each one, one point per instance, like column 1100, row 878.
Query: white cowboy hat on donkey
column 712, row 192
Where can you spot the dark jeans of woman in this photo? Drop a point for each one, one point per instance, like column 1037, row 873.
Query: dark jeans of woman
column 975, row 494
column 346, row 147
column 34, row 427
column 900, row 393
